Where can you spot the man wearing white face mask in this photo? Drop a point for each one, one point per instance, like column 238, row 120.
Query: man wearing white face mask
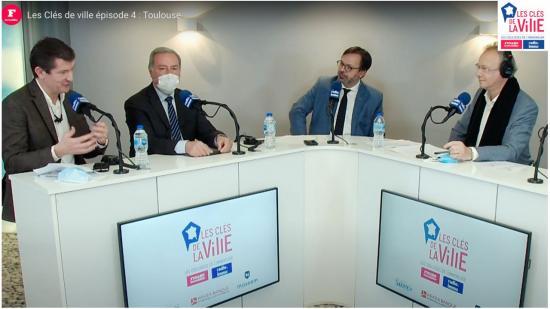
column 172, row 128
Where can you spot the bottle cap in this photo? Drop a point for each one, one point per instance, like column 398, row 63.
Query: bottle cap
column 140, row 127
column 269, row 114
column 379, row 114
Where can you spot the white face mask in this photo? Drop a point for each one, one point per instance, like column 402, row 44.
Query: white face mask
column 168, row 83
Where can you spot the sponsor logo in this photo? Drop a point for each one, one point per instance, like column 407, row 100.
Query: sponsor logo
column 533, row 44
column 247, row 274
column 248, row 282
column 197, row 278
column 511, row 44
column 436, row 299
column 191, row 234
column 403, row 285
column 453, row 285
column 431, row 230
column 195, row 300
column 221, row 270
column 11, row 14
column 430, row 275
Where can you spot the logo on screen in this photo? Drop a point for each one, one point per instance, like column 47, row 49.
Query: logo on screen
column 431, row 230
column 191, row 234
column 194, row 301
column 508, row 11
column 247, row 274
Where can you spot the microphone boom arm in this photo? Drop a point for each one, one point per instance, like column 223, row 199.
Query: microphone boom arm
column 422, row 154
column 232, row 114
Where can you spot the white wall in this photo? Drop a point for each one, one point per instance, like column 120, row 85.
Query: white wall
column 261, row 56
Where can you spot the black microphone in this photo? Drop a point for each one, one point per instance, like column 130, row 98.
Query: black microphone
column 458, row 105
column 333, row 98
column 190, row 100
column 542, row 137
column 83, row 106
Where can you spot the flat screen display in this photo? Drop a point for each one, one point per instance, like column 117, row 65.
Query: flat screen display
column 203, row 255
column 442, row 258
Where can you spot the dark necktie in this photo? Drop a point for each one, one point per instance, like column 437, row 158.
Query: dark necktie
column 341, row 113
column 174, row 125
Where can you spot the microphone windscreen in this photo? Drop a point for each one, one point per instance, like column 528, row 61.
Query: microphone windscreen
column 459, row 104
column 335, row 88
column 75, row 99
column 187, row 98
column 464, row 98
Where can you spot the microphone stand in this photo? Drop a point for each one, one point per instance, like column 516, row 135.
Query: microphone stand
column 422, row 154
column 331, row 113
column 237, row 127
column 121, row 169
column 535, row 178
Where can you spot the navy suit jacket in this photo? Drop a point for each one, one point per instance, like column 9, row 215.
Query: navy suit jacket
column 146, row 109
column 368, row 102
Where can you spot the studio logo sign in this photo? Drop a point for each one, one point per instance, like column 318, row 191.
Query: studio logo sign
column 11, row 14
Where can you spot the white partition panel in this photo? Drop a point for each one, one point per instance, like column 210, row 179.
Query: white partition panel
column 464, row 194
column 330, row 210
column 398, row 177
column 89, row 239
column 37, row 232
column 529, row 211
column 199, row 186
column 286, row 173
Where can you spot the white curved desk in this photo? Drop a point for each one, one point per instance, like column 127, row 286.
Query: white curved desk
column 328, row 215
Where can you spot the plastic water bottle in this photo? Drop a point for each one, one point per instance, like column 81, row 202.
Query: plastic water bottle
column 270, row 130
column 141, row 144
column 378, row 129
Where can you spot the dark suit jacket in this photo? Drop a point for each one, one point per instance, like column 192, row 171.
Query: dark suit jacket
column 28, row 133
column 146, row 109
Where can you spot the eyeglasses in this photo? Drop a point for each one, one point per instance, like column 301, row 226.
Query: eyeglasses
column 347, row 67
column 484, row 69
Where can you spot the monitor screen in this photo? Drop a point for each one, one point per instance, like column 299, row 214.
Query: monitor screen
column 202, row 255
column 439, row 257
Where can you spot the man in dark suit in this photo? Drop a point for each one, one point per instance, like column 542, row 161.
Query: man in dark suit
column 358, row 103
column 38, row 123
column 171, row 127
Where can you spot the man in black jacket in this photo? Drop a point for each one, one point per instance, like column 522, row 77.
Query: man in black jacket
column 172, row 128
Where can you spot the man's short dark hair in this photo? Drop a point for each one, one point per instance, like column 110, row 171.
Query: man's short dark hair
column 366, row 59
column 45, row 51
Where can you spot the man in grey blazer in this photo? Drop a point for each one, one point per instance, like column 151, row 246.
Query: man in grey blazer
column 38, row 124
column 358, row 103
column 498, row 125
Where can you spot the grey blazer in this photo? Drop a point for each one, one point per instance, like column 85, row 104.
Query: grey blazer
column 515, row 142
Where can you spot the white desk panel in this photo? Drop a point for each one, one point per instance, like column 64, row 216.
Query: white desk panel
column 287, row 173
column 529, row 211
column 39, row 246
column 329, row 213
column 182, row 190
column 375, row 174
column 330, row 210
column 460, row 193
column 89, row 239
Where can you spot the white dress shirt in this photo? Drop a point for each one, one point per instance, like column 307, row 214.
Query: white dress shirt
column 56, row 110
column 180, row 145
column 352, row 94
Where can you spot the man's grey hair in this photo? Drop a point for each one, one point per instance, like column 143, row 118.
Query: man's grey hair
column 161, row 50
column 494, row 46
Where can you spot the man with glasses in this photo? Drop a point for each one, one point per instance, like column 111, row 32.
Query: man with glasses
column 171, row 127
column 498, row 125
column 358, row 103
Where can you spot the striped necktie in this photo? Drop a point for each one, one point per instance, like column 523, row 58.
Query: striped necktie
column 174, row 125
